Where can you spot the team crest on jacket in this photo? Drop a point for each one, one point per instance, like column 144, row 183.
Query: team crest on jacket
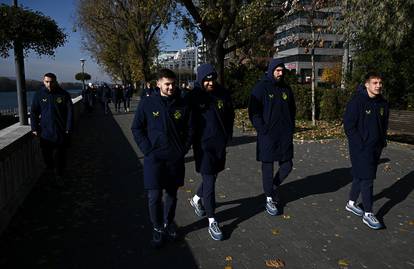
column 220, row 104
column 44, row 100
column 59, row 100
column 156, row 114
column 284, row 96
column 368, row 111
column 177, row 115
column 382, row 111
column 271, row 95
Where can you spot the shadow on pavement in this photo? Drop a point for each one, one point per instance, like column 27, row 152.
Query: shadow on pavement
column 289, row 192
column 395, row 194
column 99, row 219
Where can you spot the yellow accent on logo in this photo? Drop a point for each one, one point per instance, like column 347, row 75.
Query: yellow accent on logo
column 368, row 111
column 156, row 113
column 382, row 111
column 220, row 104
column 177, row 115
column 59, row 100
column 284, row 96
column 271, row 95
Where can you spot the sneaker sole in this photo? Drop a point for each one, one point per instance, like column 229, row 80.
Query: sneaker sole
column 199, row 214
column 271, row 213
column 369, row 225
column 352, row 211
column 214, row 238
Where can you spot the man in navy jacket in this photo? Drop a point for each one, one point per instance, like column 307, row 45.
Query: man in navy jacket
column 272, row 111
column 51, row 119
column 213, row 128
column 163, row 132
column 366, row 124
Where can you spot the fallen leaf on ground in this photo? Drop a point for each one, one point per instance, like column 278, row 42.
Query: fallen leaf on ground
column 275, row 231
column 278, row 263
column 343, row 263
column 286, row 216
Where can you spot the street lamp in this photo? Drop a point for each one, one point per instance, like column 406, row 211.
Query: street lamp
column 83, row 73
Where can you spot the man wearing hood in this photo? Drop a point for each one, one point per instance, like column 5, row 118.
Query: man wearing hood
column 213, row 129
column 163, row 132
column 272, row 111
column 51, row 119
column 366, row 124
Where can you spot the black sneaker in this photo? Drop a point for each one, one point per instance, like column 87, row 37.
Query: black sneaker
column 198, row 208
column 157, row 238
column 170, row 231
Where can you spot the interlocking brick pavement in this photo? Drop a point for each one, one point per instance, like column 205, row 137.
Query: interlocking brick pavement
column 99, row 220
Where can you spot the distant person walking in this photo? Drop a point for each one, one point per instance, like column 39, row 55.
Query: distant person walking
column 117, row 97
column 366, row 124
column 162, row 130
column 148, row 90
column 127, row 92
column 272, row 111
column 51, row 120
column 213, row 115
column 106, row 97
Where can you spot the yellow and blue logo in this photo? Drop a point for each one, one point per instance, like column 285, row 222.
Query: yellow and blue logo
column 156, row 114
column 177, row 115
column 220, row 104
column 284, row 96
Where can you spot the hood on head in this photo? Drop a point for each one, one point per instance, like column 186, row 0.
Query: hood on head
column 272, row 66
column 205, row 70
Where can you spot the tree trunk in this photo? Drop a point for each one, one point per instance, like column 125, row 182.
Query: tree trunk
column 313, row 75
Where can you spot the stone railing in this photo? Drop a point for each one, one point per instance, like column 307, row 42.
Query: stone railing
column 20, row 165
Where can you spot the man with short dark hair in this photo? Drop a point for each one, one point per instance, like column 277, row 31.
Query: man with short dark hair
column 272, row 111
column 163, row 132
column 366, row 124
column 213, row 128
column 51, row 119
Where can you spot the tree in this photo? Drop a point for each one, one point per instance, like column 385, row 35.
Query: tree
column 380, row 34
column 123, row 34
column 333, row 75
column 34, row 30
column 82, row 76
column 320, row 23
column 230, row 25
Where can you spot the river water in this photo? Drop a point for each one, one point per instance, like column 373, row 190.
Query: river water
column 8, row 100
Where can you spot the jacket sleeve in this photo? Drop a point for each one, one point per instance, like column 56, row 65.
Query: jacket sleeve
column 292, row 108
column 190, row 131
column 35, row 113
column 69, row 119
column 351, row 118
column 256, row 111
column 139, row 129
column 387, row 116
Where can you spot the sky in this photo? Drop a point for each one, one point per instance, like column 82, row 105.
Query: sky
column 66, row 62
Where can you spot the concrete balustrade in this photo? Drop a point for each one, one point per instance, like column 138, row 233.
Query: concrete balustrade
column 20, row 165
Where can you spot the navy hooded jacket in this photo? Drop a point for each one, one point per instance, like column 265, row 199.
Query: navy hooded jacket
column 272, row 111
column 366, row 124
column 51, row 114
column 162, row 129
column 213, row 116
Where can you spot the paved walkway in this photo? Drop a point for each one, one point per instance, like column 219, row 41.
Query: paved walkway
column 99, row 220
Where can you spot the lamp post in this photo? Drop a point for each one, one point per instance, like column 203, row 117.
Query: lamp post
column 83, row 73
